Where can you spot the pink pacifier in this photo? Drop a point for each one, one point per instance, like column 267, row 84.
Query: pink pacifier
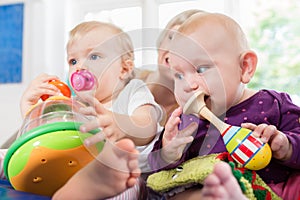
column 82, row 80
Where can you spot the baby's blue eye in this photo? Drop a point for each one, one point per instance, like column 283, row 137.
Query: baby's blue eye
column 201, row 69
column 95, row 57
column 179, row 76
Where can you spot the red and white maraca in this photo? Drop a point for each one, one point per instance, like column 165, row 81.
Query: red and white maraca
column 242, row 145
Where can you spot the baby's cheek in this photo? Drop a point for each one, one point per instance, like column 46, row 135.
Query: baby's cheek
column 181, row 100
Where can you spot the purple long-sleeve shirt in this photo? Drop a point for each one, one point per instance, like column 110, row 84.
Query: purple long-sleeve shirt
column 266, row 106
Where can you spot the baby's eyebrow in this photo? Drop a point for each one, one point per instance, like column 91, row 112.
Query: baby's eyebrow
column 174, row 69
column 71, row 58
column 89, row 50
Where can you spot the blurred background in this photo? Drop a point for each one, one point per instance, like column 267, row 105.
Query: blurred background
column 33, row 35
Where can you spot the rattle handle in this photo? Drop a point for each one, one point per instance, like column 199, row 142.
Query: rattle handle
column 207, row 114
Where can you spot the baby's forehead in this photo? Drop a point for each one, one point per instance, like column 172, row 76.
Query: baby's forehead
column 212, row 32
column 209, row 24
column 187, row 46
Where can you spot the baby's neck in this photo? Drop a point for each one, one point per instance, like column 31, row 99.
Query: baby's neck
column 108, row 101
column 247, row 93
column 108, row 104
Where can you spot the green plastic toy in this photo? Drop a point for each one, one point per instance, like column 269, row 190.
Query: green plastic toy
column 49, row 149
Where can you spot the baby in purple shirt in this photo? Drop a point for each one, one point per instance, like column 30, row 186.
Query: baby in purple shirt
column 218, row 61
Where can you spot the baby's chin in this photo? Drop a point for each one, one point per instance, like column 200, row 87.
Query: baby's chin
column 217, row 109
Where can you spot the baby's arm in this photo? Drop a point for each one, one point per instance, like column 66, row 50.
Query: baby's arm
column 35, row 90
column 141, row 126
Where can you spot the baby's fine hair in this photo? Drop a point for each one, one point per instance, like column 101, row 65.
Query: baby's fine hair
column 123, row 39
column 227, row 23
column 177, row 20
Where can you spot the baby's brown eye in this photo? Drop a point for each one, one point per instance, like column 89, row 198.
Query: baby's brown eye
column 167, row 60
column 73, row 62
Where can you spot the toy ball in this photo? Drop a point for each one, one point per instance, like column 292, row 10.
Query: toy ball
column 49, row 149
column 64, row 89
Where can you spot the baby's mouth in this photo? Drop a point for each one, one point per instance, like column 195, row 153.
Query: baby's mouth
column 207, row 100
column 196, row 103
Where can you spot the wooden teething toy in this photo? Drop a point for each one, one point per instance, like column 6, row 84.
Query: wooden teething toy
column 246, row 149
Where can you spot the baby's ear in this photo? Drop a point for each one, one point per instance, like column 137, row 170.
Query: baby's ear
column 126, row 70
column 248, row 62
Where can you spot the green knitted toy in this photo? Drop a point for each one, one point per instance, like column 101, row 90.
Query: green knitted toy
column 194, row 171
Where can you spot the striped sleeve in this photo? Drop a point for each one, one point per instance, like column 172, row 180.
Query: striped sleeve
column 131, row 193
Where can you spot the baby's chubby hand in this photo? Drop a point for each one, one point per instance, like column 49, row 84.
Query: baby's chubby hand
column 38, row 87
column 279, row 143
column 103, row 119
column 174, row 141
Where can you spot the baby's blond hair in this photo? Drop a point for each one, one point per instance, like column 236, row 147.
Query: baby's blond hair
column 123, row 39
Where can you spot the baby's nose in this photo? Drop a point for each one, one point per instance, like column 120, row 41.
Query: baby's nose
column 192, row 83
column 81, row 66
column 194, row 86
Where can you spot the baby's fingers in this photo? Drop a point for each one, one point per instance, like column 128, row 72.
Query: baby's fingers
column 87, row 111
column 91, row 125
column 185, row 140
column 268, row 132
column 189, row 130
column 178, row 143
column 171, row 129
column 257, row 130
column 49, row 89
column 264, row 132
column 174, row 120
column 94, row 139
column 250, row 126
column 89, row 99
column 93, row 102
column 277, row 141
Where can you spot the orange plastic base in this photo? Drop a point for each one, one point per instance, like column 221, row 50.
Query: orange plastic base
column 47, row 169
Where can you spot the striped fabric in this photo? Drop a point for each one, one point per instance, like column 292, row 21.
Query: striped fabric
column 129, row 194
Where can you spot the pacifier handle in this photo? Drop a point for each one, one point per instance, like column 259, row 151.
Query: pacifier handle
column 82, row 80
